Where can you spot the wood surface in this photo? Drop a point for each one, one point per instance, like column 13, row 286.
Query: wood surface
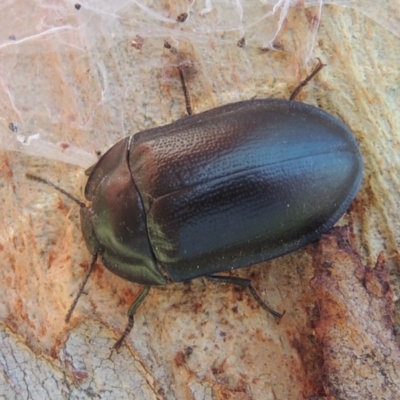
column 73, row 82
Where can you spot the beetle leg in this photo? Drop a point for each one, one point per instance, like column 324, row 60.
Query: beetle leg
column 188, row 103
column 181, row 69
column 131, row 313
column 247, row 284
column 88, row 273
column 314, row 72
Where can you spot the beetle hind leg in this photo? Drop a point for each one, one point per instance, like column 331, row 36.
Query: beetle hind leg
column 247, row 284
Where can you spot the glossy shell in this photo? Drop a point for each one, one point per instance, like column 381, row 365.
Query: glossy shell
column 224, row 189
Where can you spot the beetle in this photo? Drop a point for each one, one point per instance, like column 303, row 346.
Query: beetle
column 224, row 189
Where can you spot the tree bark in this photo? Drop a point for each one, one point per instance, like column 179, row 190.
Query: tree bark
column 74, row 81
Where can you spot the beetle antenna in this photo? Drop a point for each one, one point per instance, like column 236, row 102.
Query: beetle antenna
column 131, row 313
column 94, row 256
column 88, row 273
column 314, row 72
column 53, row 185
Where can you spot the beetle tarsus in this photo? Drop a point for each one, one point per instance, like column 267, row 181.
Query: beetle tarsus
column 131, row 313
column 127, row 330
column 303, row 83
column 88, row 273
column 247, row 284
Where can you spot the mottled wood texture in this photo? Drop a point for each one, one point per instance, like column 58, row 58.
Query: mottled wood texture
column 81, row 79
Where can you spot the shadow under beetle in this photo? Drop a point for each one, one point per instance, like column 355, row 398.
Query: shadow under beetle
column 220, row 190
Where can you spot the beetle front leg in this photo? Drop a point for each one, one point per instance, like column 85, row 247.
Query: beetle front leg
column 131, row 312
column 247, row 284
column 80, row 291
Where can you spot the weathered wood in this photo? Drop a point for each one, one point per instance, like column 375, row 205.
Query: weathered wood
column 84, row 86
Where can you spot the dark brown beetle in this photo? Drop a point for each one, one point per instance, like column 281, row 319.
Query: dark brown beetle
column 220, row 190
